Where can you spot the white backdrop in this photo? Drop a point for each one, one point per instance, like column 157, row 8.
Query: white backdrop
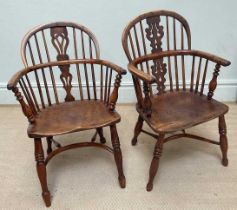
column 213, row 25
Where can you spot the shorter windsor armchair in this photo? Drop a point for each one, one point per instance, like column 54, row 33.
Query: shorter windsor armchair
column 173, row 79
column 64, row 96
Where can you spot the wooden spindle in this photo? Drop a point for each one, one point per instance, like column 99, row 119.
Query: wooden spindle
column 138, row 90
column 77, row 65
column 82, row 45
column 204, row 78
column 168, row 48
column 176, row 73
column 144, row 46
column 92, row 70
column 213, row 83
column 27, row 94
column 182, row 57
column 175, row 57
column 38, row 49
column 183, row 72
column 32, row 93
column 50, row 69
column 137, row 42
column 198, row 75
column 42, row 70
column 182, row 36
column 167, row 33
column 192, row 74
column 27, row 97
column 174, row 30
column 85, row 66
column 45, row 46
column 37, row 77
column 101, row 82
column 109, row 85
column 132, row 46
column 138, row 46
column 106, row 82
column 145, row 52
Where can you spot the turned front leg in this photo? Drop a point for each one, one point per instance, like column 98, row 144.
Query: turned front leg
column 117, row 155
column 155, row 161
column 147, row 100
column 223, row 140
column 41, row 170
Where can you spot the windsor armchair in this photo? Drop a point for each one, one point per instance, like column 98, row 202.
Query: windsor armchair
column 31, row 51
column 173, row 77
column 62, row 95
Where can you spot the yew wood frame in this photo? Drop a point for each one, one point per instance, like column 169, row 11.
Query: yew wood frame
column 137, row 61
column 21, row 86
column 39, row 153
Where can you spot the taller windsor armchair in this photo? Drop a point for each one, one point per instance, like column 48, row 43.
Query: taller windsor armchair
column 66, row 96
column 169, row 103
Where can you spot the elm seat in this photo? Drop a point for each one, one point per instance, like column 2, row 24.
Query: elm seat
column 170, row 114
column 74, row 116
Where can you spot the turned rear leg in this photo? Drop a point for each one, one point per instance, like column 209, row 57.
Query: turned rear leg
column 223, row 140
column 41, row 170
column 102, row 138
column 49, row 143
column 155, row 161
column 117, row 155
column 100, row 132
column 50, row 140
column 137, row 129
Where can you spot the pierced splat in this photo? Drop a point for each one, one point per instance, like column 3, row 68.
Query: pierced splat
column 154, row 34
column 60, row 42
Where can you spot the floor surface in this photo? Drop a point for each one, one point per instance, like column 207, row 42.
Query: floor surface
column 190, row 175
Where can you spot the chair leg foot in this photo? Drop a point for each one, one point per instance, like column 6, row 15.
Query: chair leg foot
column 122, row 181
column 41, row 171
column 117, row 155
column 134, row 141
column 223, row 140
column 46, row 198
column 225, row 162
column 137, row 130
column 149, row 187
column 155, row 161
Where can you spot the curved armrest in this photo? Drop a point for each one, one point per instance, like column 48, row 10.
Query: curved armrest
column 118, row 69
column 16, row 77
column 169, row 53
column 140, row 74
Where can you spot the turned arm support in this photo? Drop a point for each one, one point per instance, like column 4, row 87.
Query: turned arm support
column 114, row 95
column 12, row 85
column 25, row 108
column 147, row 81
column 213, row 83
